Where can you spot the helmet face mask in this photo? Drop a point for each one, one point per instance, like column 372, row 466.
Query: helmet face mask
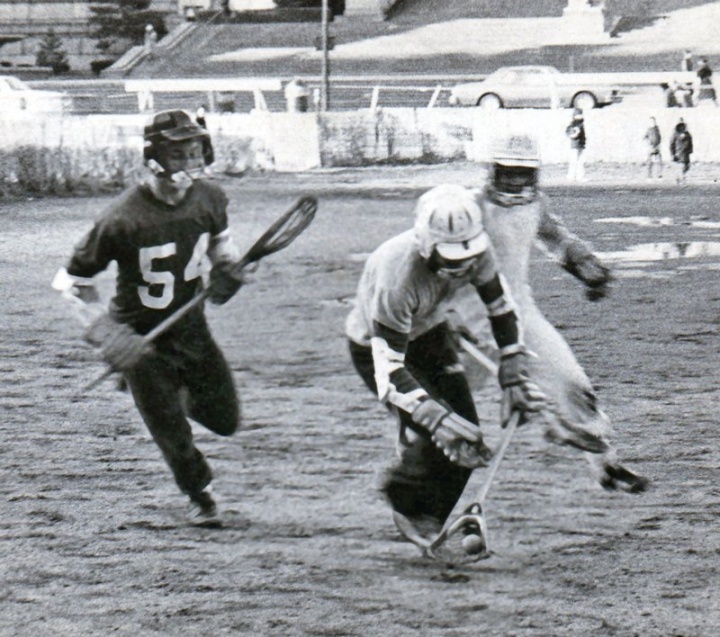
column 176, row 146
column 186, row 157
column 452, row 268
column 514, row 171
column 514, row 185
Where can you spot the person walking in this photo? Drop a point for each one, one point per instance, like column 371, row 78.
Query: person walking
column 653, row 139
column 681, row 147
column 575, row 132
column 166, row 235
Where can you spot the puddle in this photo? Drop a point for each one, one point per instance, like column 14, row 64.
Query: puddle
column 639, row 221
column 666, row 250
column 649, row 222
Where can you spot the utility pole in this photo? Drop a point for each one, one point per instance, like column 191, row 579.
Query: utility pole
column 325, row 86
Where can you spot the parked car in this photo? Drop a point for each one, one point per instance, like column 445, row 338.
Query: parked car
column 536, row 87
column 16, row 96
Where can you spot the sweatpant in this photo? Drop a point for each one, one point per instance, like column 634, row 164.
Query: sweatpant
column 187, row 376
column 423, row 482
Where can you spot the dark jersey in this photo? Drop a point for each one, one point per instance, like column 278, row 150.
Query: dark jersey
column 161, row 250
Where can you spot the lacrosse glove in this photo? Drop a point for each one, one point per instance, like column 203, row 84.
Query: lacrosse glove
column 119, row 344
column 457, row 438
column 586, row 267
column 225, row 281
column 519, row 392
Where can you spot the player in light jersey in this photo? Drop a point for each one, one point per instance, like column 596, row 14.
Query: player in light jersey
column 402, row 348
column 516, row 215
column 165, row 235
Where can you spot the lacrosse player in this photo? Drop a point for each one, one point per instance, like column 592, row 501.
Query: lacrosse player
column 401, row 346
column 516, row 215
column 165, row 235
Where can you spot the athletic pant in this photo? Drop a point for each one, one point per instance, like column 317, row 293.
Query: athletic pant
column 187, row 376
column 424, row 481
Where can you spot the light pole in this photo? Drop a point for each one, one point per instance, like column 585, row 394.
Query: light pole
column 325, row 86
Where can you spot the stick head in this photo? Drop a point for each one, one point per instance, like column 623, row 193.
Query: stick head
column 464, row 541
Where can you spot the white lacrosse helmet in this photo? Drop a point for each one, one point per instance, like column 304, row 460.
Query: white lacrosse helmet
column 514, row 168
column 448, row 221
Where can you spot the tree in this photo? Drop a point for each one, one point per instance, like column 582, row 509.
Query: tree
column 52, row 54
column 116, row 21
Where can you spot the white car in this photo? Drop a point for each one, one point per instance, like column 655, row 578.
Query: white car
column 16, row 96
column 536, row 87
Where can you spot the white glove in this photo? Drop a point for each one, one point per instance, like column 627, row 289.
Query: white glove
column 459, row 439
column 519, row 392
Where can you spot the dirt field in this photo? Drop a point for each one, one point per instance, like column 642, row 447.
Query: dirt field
column 93, row 539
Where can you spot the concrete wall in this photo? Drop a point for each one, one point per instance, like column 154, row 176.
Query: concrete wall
column 43, row 154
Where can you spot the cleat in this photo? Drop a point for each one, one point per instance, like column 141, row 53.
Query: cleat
column 203, row 510
column 617, row 478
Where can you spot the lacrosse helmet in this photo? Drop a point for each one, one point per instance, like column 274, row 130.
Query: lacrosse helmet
column 514, row 170
column 449, row 229
column 168, row 127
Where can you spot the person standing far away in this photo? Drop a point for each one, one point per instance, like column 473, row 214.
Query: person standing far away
column 576, row 133
column 670, row 98
column 167, row 235
column 200, row 117
column 653, row 138
column 688, row 63
column 681, row 147
column 297, row 96
column 707, row 90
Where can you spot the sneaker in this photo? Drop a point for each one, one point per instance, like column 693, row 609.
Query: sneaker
column 421, row 530
column 616, row 477
column 203, row 510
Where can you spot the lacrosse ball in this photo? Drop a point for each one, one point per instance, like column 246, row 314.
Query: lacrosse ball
column 473, row 544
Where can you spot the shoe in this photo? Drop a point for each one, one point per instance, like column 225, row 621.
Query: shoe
column 616, row 477
column 421, row 530
column 203, row 510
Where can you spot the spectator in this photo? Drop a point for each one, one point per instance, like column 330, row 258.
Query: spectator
column 670, row 98
column 200, row 117
column 653, row 138
column 297, row 95
column 150, row 38
column 687, row 64
column 576, row 133
column 707, row 90
column 681, row 147
column 685, row 94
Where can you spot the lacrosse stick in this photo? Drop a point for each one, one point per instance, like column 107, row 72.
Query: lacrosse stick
column 278, row 236
column 473, row 517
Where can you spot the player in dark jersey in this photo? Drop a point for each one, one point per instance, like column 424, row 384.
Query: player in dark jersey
column 167, row 235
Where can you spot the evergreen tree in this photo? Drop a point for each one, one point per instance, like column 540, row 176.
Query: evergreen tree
column 51, row 53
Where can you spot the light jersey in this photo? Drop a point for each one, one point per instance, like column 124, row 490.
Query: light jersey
column 513, row 231
column 398, row 290
column 162, row 251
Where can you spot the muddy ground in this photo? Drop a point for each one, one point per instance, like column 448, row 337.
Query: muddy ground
column 92, row 534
